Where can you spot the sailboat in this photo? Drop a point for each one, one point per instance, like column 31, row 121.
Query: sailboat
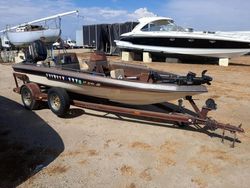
column 26, row 33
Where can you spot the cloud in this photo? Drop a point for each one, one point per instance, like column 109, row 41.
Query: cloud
column 94, row 15
column 98, row 15
column 28, row 10
column 199, row 14
column 212, row 14
column 108, row 15
column 15, row 12
column 141, row 12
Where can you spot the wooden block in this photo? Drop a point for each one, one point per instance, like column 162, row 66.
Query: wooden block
column 147, row 57
column 127, row 56
column 223, row 62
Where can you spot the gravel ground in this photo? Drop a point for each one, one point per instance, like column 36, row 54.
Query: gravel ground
column 96, row 149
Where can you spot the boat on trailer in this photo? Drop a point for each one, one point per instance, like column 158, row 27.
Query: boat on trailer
column 62, row 83
column 123, row 83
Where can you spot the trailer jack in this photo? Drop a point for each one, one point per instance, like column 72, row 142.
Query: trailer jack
column 211, row 124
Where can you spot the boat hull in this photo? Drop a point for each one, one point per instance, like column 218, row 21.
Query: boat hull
column 27, row 37
column 114, row 90
column 126, row 96
column 216, row 52
column 160, row 34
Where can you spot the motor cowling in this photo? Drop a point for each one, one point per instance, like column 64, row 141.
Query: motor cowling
column 37, row 51
column 192, row 79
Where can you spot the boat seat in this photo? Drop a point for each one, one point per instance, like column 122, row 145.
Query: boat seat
column 67, row 61
column 117, row 74
column 144, row 77
column 98, row 66
column 98, row 63
column 84, row 66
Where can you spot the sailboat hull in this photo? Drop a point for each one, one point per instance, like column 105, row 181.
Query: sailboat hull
column 27, row 37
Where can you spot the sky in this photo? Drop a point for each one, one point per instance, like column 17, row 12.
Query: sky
column 210, row 15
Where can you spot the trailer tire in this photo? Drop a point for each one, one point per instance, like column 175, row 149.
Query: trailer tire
column 28, row 98
column 58, row 101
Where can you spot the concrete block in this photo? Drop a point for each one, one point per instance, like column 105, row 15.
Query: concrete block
column 223, row 62
column 127, row 56
column 147, row 57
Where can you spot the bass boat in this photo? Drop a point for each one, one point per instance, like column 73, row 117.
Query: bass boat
column 118, row 82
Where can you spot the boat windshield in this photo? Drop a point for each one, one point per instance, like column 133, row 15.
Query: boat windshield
column 162, row 25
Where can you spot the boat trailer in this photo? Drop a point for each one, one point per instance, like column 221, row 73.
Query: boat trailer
column 199, row 117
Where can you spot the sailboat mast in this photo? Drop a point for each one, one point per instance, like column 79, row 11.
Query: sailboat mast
column 53, row 17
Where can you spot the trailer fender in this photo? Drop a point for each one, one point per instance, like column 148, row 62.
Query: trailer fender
column 29, row 94
column 35, row 90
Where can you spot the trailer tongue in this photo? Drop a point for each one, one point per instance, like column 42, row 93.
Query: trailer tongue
column 200, row 118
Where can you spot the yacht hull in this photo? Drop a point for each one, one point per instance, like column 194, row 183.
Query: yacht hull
column 160, row 34
column 203, row 52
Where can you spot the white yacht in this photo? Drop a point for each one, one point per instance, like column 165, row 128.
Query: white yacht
column 161, row 34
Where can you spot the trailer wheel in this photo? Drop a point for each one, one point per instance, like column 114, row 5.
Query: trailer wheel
column 28, row 98
column 58, row 101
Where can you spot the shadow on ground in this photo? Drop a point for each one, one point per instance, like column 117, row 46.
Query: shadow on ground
column 238, row 64
column 27, row 143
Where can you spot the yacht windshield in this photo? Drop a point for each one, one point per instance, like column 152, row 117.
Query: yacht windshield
column 162, row 25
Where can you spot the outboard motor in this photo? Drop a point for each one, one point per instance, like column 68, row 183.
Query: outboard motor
column 192, row 79
column 189, row 79
column 37, row 52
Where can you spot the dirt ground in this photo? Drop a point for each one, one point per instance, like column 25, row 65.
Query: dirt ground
column 96, row 149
